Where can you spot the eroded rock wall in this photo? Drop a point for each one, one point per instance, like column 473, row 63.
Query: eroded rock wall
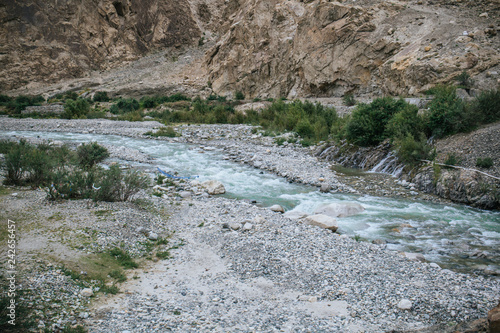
column 49, row 40
column 323, row 48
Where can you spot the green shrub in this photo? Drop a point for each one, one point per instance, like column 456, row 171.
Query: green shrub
column 367, row 125
column 405, row 122
column 486, row 106
column 163, row 131
column 486, row 162
column 149, row 102
column 349, row 100
column 447, row 113
column 76, row 108
column 411, row 151
column 304, row 128
column 238, row 95
column 451, row 159
column 464, row 80
column 27, row 164
column 89, row 154
column 18, row 104
column 115, row 185
column 279, row 141
column 124, row 105
column 71, row 95
column 101, row 96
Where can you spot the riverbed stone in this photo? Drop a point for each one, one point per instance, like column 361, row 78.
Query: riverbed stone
column 323, row 221
column 415, row 256
column 405, row 304
column 340, row 209
column 152, row 236
column 214, row 187
column 185, row 194
column 295, row 215
column 235, row 226
column 277, row 208
column 86, row 292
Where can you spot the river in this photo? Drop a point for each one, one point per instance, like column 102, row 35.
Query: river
column 454, row 236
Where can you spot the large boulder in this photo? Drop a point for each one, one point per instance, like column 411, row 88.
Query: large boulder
column 277, row 208
column 494, row 319
column 340, row 209
column 214, row 187
column 295, row 215
column 322, row 221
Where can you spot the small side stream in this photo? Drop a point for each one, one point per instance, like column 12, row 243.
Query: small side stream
column 453, row 236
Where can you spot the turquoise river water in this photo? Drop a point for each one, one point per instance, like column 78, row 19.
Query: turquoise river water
column 449, row 235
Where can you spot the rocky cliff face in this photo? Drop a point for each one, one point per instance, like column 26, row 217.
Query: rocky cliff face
column 323, row 48
column 272, row 48
column 49, row 40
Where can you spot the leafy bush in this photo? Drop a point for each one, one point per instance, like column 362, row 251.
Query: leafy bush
column 451, row 159
column 114, row 185
column 163, row 131
column 58, row 168
column 412, row 151
column 464, row 80
column 486, row 162
column 349, row 100
column 101, row 96
column 486, row 108
column 405, row 122
column 76, row 108
column 149, row 102
column 90, row 154
column 447, row 113
column 367, row 125
column 238, row 95
column 27, row 164
column 304, row 128
column 124, row 106
column 18, row 104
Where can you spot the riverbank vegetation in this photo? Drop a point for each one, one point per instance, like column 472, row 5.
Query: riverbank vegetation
column 69, row 174
column 409, row 128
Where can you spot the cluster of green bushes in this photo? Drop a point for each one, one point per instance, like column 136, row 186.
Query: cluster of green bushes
column 69, row 174
column 389, row 118
column 15, row 105
column 163, row 131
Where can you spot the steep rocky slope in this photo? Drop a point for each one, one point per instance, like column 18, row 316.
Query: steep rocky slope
column 324, row 48
column 52, row 40
column 263, row 48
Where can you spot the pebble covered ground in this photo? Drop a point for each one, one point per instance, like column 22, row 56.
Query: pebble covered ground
column 248, row 269
column 243, row 268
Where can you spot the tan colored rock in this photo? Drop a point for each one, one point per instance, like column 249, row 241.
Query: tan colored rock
column 494, row 319
column 214, row 187
column 70, row 38
column 341, row 209
column 322, row 221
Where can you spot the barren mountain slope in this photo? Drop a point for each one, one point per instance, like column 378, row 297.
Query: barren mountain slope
column 263, row 48
column 50, row 40
column 324, row 48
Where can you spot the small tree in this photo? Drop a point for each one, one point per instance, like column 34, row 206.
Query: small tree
column 101, row 96
column 90, row 154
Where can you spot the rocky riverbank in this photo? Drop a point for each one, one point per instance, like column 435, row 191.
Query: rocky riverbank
column 236, row 267
column 463, row 182
column 232, row 267
column 240, row 143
